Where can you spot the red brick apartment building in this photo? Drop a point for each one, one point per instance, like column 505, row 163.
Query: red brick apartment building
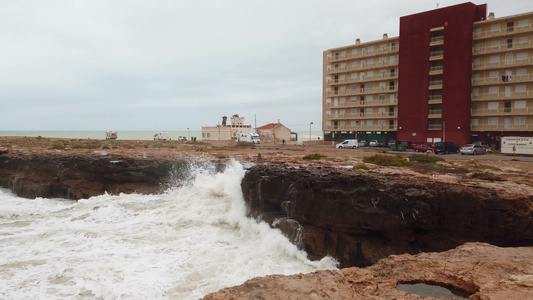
column 453, row 74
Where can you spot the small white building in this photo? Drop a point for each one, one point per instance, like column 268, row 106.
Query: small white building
column 226, row 132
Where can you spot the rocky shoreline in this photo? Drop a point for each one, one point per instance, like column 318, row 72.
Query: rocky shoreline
column 362, row 218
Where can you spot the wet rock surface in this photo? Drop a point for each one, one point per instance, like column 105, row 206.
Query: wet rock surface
column 83, row 176
column 362, row 217
column 483, row 271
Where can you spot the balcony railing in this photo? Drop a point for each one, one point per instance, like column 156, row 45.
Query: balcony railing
column 436, row 68
column 361, row 116
column 502, row 47
column 504, row 63
column 435, row 82
column 361, row 80
column 361, row 53
column 359, row 104
column 434, row 126
column 501, row 127
column 504, row 95
column 502, row 31
column 511, row 79
column 361, row 127
column 436, row 53
column 362, row 91
column 506, row 111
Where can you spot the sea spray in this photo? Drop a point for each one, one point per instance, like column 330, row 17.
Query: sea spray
column 192, row 240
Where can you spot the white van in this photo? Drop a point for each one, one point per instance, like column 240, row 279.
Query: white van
column 347, row 144
column 161, row 136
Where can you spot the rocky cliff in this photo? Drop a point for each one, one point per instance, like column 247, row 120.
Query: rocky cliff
column 360, row 217
column 82, row 176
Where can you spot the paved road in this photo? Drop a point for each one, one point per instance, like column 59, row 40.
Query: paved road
column 494, row 157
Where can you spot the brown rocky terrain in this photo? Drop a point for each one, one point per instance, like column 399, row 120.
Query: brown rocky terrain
column 358, row 215
column 481, row 270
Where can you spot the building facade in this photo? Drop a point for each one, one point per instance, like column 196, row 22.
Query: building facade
column 453, row 74
column 224, row 132
column 274, row 133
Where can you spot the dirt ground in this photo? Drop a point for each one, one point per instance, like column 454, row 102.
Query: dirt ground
column 505, row 175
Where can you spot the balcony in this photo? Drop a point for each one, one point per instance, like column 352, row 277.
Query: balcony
column 501, row 127
column 501, row 64
column 498, row 80
column 504, row 95
column 435, row 114
column 435, row 126
column 361, row 127
column 364, row 79
column 502, row 48
column 361, row 53
column 436, row 55
column 362, row 91
column 527, row 111
column 362, row 116
column 437, row 40
column 501, row 32
column 359, row 104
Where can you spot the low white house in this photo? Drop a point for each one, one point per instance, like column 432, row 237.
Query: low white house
column 224, row 132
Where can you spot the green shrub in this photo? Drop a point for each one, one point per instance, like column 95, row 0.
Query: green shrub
column 387, row 160
column 314, row 156
column 57, row 145
column 361, row 167
column 422, row 158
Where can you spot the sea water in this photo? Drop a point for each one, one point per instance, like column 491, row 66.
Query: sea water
column 183, row 244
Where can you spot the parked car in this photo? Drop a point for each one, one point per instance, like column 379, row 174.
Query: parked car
column 347, row 144
column 472, row 149
column 445, row 147
column 423, row 148
column 182, row 138
column 382, row 144
column 414, row 144
column 482, row 144
column 373, row 143
column 363, row 143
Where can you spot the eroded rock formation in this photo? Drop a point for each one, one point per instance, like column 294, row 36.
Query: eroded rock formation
column 481, row 270
column 83, row 176
column 361, row 217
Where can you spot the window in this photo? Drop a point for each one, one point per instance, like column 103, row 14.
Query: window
column 369, row 98
column 353, row 87
column 393, row 46
column 353, row 99
column 336, row 78
column 492, row 121
column 475, row 91
column 336, row 55
column 476, row 61
column 382, row 73
column 391, row 85
column 368, row 122
column 523, row 23
column 523, row 40
column 370, row 61
column 353, row 75
column 370, row 49
column 495, row 44
column 328, row 100
column 369, row 111
column 477, row 31
column 474, row 122
column 495, row 28
column 494, row 59
column 494, row 90
column 477, row 46
column 382, row 60
column 382, row 85
column 383, row 47
column 382, row 97
column 494, row 74
column 353, row 111
column 369, row 86
column 355, row 63
column 520, row 88
column 509, row 43
column 520, row 104
column 381, row 122
column 353, row 123
column 355, row 51
column 382, row 110
column 392, row 72
column 520, row 121
column 521, row 56
column 521, row 71
column 474, row 106
column 493, row 105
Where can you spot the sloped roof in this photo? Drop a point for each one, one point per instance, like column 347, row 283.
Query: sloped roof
column 269, row 126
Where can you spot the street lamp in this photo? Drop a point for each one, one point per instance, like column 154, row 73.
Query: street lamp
column 310, row 130
column 188, row 134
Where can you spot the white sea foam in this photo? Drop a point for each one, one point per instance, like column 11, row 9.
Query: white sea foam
column 192, row 240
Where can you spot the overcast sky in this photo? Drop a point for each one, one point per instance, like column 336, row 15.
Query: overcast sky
column 173, row 65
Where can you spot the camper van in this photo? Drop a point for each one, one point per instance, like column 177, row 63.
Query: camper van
column 161, row 136
column 110, row 135
column 250, row 137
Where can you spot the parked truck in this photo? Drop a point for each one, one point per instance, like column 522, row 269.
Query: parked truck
column 250, row 137
column 517, row 145
column 110, row 135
